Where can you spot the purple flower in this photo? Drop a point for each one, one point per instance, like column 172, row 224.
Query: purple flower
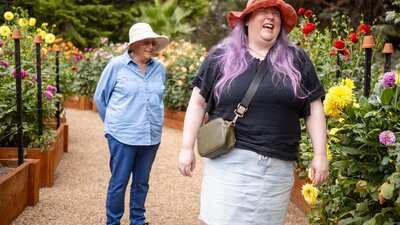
column 48, row 95
column 4, row 63
column 104, row 40
column 387, row 138
column 389, row 78
column 23, row 74
column 1, row 43
column 34, row 77
column 51, row 88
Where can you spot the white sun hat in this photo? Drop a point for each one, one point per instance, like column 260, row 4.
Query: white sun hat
column 141, row 31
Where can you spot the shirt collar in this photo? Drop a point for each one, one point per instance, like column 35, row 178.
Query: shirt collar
column 127, row 59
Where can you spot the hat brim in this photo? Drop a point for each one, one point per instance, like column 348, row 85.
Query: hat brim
column 288, row 14
column 161, row 40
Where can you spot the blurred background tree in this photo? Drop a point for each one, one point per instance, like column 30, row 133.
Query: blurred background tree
column 202, row 21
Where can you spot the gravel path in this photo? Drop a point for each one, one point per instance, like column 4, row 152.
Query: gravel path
column 78, row 194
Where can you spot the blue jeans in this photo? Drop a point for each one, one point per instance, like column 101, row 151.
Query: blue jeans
column 124, row 161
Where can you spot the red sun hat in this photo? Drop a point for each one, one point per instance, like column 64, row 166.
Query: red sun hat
column 288, row 14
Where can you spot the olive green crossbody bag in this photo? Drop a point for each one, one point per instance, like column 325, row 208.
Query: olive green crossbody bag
column 217, row 137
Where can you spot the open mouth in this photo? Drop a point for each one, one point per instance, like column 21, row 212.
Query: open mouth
column 268, row 26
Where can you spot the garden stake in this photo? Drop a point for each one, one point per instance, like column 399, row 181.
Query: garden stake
column 388, row 51
column 368, row 44
column 57, row 50
column 38, row 40
column 17, row 35
column 339, row 63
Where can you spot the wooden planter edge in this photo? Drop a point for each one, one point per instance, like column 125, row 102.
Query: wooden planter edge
column 49, row 158
column 19, row 189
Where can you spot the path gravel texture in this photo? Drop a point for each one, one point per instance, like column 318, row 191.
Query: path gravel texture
column 79, row 192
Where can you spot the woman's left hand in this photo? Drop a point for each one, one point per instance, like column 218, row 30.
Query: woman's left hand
column 319, row 169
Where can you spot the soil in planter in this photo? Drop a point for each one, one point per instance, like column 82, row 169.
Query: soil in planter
column 4, row 170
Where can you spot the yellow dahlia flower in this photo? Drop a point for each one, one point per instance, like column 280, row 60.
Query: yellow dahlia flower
column 5, row 31
column 341, row 96
column 348, row 83
column 23, row 22
column 8, row 15
column 50, row 38
column 331, row 109
column 32, row 22
column 329, row 155
column 310, row 193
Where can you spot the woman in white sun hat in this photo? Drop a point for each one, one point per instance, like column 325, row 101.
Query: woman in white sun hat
column 129, row 99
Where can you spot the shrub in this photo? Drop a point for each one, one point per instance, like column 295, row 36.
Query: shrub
column 182, row 59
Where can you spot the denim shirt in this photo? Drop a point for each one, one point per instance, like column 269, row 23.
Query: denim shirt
column 130, row 104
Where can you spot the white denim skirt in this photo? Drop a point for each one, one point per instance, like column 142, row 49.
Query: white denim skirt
column 245, row 188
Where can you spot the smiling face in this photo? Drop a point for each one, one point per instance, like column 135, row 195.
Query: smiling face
column 144, row 49
column 264, row 26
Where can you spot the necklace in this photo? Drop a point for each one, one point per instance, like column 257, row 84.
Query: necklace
column 260, row 56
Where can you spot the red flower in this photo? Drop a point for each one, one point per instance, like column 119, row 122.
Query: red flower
column 346, row 54
column 73, row 68
column 364, row 28
column 353, row 37
column 301, row 10
column 308, row 28
column 339, row 44
column 308, row 13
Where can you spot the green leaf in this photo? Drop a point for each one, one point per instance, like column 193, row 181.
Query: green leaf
column 350, row 150
column 387, row 96
column 370, row 222
column 362, row 207
column 387, row 190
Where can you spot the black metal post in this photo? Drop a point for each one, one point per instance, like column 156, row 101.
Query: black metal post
column 38, row 41
column 58, row 86
column 387, row 63
column 387, row 50
column 17, row 35
column 368, row 44
column 367, row 75
column 339, row 63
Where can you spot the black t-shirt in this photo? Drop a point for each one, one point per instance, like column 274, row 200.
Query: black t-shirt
column 271, row 125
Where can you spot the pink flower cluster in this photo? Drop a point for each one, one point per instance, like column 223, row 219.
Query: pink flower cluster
column 4, row 63
column 23, row 74
column 387, row 138
column 48, row 93
column 389, row 79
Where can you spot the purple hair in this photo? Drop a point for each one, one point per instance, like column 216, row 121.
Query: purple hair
column 234, row 62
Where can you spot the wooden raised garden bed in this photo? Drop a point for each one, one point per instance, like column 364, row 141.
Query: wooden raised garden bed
column 19, row 188
column 49, row 158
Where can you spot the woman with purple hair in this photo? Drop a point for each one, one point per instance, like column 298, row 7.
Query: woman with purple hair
column 252, row 183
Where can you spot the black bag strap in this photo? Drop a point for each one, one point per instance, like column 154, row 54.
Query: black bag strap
column 244, row 104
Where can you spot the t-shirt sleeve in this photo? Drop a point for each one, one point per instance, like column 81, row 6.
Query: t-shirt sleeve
column 205, row 79
column 310, row 81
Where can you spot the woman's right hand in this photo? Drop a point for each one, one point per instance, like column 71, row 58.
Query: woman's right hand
column 187, row 162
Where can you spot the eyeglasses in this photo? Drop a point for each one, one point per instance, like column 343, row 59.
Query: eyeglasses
column 148, row 42
column 272, row 11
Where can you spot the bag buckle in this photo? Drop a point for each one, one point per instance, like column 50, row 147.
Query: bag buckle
column 239, row 112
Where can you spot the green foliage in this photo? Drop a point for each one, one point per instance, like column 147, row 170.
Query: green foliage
column 83, row 68
column 198, row 8
column 166, row 18
column 182, row 60
column 364, row 182
column 392, row 15
column 319, row 46
column 8, row 99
